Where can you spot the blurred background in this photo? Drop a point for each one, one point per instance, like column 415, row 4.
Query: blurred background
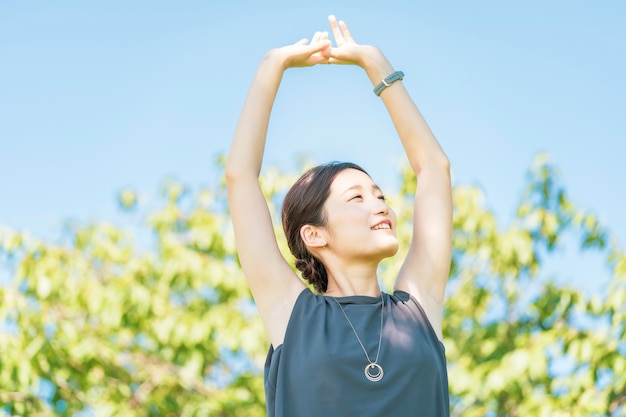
column 101, row 97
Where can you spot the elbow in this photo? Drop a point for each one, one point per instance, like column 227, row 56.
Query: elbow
column 231, row 171
column 444, row 169
column 438, row 162
column 444, row 163
column 232, row 174
column 236, row 172
column 230, row 177
column 440, row 159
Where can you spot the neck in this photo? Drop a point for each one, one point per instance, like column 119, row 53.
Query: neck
column 355, row 280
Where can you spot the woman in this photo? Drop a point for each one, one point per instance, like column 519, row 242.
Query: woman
column 350, row 350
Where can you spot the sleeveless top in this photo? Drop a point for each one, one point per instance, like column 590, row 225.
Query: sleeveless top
column 318, row 371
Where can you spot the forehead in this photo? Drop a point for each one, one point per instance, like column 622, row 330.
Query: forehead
column 351, row 178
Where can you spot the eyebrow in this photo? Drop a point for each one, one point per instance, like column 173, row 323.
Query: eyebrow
column 360, row 187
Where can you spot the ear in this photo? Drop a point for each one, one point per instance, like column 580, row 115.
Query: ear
column 312, row 236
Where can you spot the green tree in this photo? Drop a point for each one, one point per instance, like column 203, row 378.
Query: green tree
column 100, row 325
column 104, row 325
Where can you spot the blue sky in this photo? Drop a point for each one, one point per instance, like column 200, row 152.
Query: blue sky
column 98, row 96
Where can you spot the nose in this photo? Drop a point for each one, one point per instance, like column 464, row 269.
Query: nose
column 381, row 207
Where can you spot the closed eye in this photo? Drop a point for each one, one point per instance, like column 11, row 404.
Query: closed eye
column 381, row 197
column 355, row 197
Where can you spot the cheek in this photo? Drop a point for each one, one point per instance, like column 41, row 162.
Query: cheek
column 346, row 222
column 394, row 217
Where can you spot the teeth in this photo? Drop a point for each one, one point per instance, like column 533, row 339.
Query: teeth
column 381, row 226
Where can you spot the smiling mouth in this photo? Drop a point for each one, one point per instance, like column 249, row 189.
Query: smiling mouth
column 380, row 226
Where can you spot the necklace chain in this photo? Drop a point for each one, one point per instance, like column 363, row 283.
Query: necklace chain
column 372, row 365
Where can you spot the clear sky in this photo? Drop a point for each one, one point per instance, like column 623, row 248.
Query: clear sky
column 97, row 96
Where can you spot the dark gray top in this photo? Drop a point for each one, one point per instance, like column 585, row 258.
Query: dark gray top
column 318, row 371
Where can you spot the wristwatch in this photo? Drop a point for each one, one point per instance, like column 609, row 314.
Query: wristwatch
column 387, row 81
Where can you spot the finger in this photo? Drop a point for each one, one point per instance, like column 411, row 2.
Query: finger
column 320, row 41
column 336, row 30
column 317, row 52
column 326, row 51
column 346, row 32
column 320, row 45
column 302, row 41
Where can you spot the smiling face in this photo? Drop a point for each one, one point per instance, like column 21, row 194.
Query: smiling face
column 360, row 224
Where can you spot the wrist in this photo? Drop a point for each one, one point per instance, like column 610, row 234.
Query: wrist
column 387, row 81
column 275, row 59
column 376, row 65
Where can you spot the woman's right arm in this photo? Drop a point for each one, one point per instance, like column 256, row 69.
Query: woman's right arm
column 272, row 282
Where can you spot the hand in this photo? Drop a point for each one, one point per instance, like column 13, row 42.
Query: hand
column 347, row 50
column 305, row 54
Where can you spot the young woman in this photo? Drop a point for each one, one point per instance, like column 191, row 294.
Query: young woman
column 347, row 349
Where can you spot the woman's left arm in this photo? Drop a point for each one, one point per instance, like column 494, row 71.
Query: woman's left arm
column 424, row 273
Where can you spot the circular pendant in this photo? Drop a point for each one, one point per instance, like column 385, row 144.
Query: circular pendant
column 374, row 372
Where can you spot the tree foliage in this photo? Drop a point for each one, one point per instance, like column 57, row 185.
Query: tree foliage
column 102, row 325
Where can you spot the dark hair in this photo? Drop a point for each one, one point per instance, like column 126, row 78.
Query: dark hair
column 304, row 204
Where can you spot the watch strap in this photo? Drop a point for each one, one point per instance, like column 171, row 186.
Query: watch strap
column 387, row 81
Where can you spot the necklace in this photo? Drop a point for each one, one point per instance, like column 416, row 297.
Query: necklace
column 373, row 371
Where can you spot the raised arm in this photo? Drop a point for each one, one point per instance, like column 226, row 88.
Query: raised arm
column 424, row 273
column 274, row 285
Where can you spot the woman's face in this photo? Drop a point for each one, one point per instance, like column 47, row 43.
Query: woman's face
column 360, row 224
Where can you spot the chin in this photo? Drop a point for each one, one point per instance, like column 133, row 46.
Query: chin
column 390, row 250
